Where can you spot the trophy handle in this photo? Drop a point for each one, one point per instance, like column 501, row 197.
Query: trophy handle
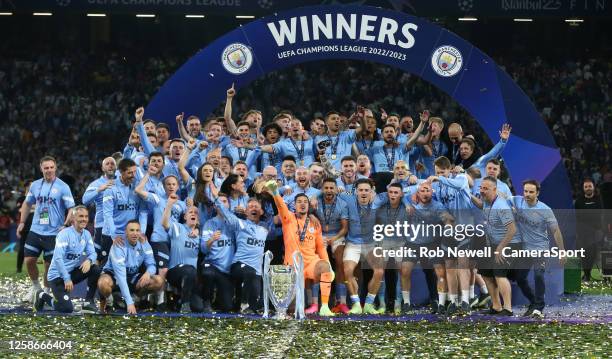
column 298, row 266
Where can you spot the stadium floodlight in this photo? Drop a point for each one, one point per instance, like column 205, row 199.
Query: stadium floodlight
column 245, row 16
column 145, row 15
column 574, row 20
column 96, row 15
column 467, row 19
column 194, row 16
column 6, row 13
column 42, row 14
column 523, row 20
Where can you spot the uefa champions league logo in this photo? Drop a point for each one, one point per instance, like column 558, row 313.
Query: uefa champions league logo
column 237, row 58
column 446, row 61
column 265, row 4
column 466, row 5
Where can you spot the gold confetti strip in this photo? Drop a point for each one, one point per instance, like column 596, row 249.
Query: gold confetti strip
column 136, row 337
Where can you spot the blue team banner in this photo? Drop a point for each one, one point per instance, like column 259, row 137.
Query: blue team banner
column 387, row 37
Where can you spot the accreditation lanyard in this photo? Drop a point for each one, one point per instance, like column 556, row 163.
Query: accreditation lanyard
column 43, row 217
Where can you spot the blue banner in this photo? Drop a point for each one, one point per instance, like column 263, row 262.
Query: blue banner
column 392, row 38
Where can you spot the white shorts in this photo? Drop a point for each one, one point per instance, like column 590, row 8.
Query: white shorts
column 355, row 252
column 337, row 243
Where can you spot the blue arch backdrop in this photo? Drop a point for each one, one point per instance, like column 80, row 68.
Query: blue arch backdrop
column 396, row 39
column 366, row 33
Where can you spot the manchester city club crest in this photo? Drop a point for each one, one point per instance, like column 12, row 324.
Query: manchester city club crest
column 446, row 61
column 237, row 58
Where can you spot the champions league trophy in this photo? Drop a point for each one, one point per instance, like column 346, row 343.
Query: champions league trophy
column 283, row 284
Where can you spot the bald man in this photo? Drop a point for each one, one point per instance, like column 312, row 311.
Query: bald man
column 455, row 135
column 93, row 196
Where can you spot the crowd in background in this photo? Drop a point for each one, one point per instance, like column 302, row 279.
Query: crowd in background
column 72, row 106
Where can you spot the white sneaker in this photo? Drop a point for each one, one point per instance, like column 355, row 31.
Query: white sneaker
column 537, row 314
column 29, row 296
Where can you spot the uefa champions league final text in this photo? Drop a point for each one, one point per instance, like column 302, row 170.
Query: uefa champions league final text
column 342, row 48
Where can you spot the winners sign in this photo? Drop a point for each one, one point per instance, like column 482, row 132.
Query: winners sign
column 396, row 39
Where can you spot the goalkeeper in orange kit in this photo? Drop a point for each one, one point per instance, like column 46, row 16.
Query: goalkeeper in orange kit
column 302, row 232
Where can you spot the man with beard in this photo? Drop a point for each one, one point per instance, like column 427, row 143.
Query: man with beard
column 302, row 232
column 302, row 186
column 340, row 142
column 333, row 212
column 121, row 205
column 385, row 153
column 348, row 176
column 535, row 220
column 149, row 126
column 296, row 145
column 406, row 126
column 364, row 166
column 317, row 175
column 589, row 225
column 94, row 195
column 193, row 130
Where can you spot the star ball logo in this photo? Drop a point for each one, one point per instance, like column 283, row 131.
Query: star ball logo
column 446, row 61
column 237, row 58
